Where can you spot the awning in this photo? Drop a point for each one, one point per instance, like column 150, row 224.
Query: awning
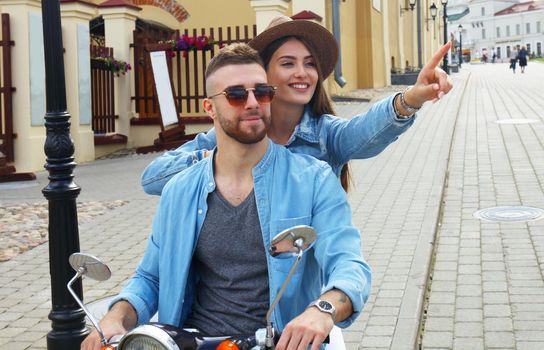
column 457, row 16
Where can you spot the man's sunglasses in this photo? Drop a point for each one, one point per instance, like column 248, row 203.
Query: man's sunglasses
column 237, row 95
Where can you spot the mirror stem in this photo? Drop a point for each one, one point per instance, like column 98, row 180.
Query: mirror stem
column 269, row 342
column 80, row 272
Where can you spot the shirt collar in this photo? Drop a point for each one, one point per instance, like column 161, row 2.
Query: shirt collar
column 260, row 168
column 266, row 160
column 307, row 128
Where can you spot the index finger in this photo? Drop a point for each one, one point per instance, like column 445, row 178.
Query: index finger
column 437, row 57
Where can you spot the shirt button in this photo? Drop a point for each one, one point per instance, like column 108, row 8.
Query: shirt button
column 199, row 211
column 210, row 184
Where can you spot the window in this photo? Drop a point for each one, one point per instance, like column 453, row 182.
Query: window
column 528, row 48
column 507, row 30
column 483, row 33
column 527, row 28
column 518, row 29
column 539, row 49
column 538, row 27
column 483, row 11
column 508, row 51
column 498, row 52
column 498, row 32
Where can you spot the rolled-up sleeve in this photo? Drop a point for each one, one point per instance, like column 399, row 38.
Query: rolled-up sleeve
column 338, row 248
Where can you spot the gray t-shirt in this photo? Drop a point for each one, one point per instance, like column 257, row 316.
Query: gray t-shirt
column 231, row 295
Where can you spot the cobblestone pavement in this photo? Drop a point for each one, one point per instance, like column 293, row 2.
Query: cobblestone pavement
column 454, row 160
column 24, row 226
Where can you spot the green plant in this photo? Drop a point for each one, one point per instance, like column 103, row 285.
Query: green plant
column 118, row 67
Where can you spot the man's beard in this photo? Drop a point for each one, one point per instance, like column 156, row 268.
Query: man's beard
column 255, row 134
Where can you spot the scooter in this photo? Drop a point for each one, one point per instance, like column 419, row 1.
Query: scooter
column 156, row 336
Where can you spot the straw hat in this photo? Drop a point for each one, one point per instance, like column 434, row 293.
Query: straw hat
column 322, row 41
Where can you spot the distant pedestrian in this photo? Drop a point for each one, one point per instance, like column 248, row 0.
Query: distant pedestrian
column 494, row 57
column 522, row 56
column 513, row 59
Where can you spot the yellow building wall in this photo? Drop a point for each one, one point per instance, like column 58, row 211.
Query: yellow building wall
column 349, row 33
column 377, row 42
column 394, row 43
column 204, row 14
column 410, row 37
column 365, row 73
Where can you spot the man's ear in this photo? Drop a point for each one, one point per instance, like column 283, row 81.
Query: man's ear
column 208, row 107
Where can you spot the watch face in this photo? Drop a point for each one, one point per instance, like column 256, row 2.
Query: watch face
column 325, row 305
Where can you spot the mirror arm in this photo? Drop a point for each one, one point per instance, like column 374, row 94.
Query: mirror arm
column 269, row 342
column 80, row 272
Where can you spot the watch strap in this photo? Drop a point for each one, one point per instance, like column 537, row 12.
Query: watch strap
column 329, row 309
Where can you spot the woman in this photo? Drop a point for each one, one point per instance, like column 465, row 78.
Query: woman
column 522, row 56
column 298, row 56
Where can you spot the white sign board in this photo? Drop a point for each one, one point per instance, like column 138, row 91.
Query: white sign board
column 164, row 88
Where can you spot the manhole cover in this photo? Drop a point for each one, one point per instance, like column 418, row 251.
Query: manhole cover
column 517, row 121
column 509, row 214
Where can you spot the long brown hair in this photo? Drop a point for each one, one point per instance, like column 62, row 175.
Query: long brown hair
column 320, row 103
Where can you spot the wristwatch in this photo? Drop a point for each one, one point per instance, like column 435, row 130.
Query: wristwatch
column 325, row 306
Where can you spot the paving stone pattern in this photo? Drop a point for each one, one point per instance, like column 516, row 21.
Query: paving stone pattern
column 487, row 285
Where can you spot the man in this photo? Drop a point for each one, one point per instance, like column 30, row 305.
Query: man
column 206, row 265
column 513, row 58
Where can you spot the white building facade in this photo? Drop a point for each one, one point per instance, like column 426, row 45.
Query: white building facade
column 498, row 26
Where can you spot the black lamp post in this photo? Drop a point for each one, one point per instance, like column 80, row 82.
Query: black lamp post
column 445, row 17
column 434, row 11
column 67, row 318
column 460, row 27
column 412, row 4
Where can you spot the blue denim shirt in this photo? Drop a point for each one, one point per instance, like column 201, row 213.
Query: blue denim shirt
column 289, row 190
column 329, row 138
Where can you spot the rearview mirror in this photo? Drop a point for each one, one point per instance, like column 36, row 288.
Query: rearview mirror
column 291, row 241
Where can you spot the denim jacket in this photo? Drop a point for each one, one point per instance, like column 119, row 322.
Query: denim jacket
column 329, row 138
column 289, row 190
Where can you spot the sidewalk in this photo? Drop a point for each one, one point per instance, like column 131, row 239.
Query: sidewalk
column 415, row 198
column 487, row 287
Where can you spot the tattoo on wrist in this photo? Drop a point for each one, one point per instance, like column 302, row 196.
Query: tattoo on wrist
column 343, row 298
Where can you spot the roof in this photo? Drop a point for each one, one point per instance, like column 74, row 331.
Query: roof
column 521, row 7
column 307, row 15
